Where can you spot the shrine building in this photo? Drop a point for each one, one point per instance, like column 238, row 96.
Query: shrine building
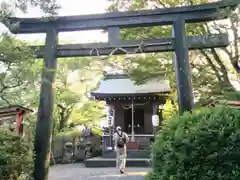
column 132, row 106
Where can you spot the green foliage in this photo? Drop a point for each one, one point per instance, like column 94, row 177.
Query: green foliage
column 199, row 145
column 49, row 7
column 169, row 110
column 90, row 113
column 233, row 96
column 96, row 131
column 20, row 79
column 72, row 132
column 19, row 69
column 16, row 158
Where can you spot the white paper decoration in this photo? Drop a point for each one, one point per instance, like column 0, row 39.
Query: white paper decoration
column 155, row 120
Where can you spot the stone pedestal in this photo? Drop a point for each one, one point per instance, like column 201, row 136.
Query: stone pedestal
column 88, row 149
column 68, row 153
column 80, row 151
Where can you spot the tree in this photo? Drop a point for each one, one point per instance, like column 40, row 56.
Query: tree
column 8, row 8
column 210, row 72
column 75, row 78
column 18, row 65
column 89, row 113
column 66, row 99
column 18, row 70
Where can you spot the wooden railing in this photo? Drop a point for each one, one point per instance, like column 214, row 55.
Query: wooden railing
column 142, row 140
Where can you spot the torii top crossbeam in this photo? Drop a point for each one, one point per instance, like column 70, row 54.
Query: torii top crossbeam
column 166, row 16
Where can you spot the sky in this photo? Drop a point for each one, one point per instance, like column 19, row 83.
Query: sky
column 69, row 7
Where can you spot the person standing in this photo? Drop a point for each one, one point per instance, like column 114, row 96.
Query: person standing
column 120, row 139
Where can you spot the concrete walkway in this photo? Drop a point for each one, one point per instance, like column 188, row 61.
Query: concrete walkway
column 79, row 172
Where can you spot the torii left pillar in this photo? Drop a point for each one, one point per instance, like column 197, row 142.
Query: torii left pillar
column 42, row 142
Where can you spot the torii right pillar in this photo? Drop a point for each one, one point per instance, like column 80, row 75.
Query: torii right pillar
column 182, row 67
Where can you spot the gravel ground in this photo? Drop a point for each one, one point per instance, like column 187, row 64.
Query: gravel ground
column 79, row 172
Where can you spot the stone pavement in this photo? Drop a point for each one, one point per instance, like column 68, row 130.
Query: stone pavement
column 79, row 172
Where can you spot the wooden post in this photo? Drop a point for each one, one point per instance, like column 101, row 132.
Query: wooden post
column 182, row 68
column 43, row 133
column 155, row 108
column 133, row 134
column 113, row 35
column 113, row 126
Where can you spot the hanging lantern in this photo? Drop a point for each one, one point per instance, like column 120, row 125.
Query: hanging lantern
column 155, row 120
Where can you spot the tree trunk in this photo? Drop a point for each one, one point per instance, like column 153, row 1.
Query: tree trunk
column 62, row 120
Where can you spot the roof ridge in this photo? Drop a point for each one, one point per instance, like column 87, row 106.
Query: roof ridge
column 116, row 76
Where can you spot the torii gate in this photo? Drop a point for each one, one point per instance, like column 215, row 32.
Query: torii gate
column 113, row 22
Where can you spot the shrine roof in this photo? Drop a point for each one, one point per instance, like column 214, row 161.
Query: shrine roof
column 13, row 108
column 122, row 85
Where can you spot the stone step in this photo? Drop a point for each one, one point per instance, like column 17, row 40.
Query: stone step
column 107, row 162
column 130, row 154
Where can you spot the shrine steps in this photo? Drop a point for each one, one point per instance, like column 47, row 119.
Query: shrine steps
column 132, row 154
column 111, row 162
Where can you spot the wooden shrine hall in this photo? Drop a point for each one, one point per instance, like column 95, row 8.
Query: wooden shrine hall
column 132, row 106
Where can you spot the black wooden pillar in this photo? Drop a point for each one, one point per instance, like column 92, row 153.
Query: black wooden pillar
column 42, row 142
column 182, row 68
column 113, row 35
column 155, row 108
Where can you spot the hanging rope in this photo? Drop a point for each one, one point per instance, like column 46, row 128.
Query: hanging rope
column 129, row 107
column 118, row 49
column 92, row 51
column 127, row 61
column 140, row 47
column 137, row 104
column 141, row 104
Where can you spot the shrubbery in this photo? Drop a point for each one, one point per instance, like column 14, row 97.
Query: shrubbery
column 16, row 158
column 204, row 145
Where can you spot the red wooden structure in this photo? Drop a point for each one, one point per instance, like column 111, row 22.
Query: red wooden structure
column 13, row 114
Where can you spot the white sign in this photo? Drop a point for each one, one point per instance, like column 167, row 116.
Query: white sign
column 155, row 120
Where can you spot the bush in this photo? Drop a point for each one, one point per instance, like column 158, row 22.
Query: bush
column 204, row 145
column 16, row 159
